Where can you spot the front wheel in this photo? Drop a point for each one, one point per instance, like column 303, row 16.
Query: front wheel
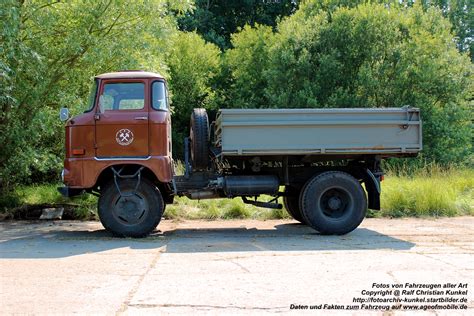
column 135, row 212
column 333, row 202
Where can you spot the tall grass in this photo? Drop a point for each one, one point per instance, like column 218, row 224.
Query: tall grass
column 83, row 206
column 432, row 191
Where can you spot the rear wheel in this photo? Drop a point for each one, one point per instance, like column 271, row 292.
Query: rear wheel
column 199, row 137
column 333, row 202
column 292, row 204
column 135, row 212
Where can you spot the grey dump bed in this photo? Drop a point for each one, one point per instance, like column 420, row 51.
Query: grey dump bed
column 385, row 131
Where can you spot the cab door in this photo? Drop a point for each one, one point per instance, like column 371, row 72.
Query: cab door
column 121, row 122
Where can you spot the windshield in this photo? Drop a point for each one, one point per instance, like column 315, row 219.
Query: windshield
column 91, row 99
column 123, row 96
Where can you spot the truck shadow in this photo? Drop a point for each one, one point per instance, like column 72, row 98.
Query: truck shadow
column 60, row 242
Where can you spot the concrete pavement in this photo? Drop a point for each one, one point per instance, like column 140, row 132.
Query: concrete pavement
column 231, row 267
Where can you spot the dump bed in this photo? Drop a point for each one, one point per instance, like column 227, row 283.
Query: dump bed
column 385, row 131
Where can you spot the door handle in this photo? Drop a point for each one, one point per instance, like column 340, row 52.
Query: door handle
column 141, row 118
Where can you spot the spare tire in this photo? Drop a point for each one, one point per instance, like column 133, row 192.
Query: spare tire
column 199, row 138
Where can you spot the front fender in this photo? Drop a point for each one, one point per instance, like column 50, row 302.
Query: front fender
column 83, row 173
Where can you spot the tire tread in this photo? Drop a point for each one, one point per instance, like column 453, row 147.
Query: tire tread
column 200, row 139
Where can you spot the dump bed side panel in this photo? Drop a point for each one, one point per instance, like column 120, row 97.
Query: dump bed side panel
column 248, row 132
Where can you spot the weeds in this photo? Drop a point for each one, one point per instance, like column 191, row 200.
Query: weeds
column 82, row 205
column 429, row 192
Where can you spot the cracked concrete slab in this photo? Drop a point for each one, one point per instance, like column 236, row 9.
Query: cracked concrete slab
column 216, row 267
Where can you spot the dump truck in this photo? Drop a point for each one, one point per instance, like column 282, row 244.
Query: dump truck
column 324, row 164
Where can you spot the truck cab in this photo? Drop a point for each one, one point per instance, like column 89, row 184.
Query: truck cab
column 128, row 120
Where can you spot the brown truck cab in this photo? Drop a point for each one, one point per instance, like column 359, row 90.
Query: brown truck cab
column 316, row 159
column 128, row 121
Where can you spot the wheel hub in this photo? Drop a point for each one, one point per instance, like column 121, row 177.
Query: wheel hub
column 334, row 203
column 130, row 209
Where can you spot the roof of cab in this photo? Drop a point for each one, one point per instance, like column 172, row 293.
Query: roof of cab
column 129, row 74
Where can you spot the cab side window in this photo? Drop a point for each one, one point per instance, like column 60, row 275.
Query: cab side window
column 123, row 96
column 159, row 96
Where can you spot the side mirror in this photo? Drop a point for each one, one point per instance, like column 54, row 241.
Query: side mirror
column 101, row 104
column 64, row 114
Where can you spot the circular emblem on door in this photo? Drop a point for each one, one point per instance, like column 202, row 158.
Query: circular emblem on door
column 124, row 137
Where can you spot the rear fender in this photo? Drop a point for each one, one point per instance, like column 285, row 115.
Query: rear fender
column 373, row 188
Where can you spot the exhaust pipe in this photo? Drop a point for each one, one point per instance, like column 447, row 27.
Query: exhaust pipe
column 202, row 195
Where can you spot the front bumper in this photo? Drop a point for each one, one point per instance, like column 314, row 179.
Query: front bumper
column 70, row 192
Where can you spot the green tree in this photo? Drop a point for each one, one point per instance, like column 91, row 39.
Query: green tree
column 193, row 66
column 459, row 12
column 372, row 56
column 216, row 20
column 49, row 52
column 246, row 64
column 461, row 15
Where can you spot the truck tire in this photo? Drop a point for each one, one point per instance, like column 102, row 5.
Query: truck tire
column 135, row 213
column 292, row 204
column 333, row 203
column 199, row 138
